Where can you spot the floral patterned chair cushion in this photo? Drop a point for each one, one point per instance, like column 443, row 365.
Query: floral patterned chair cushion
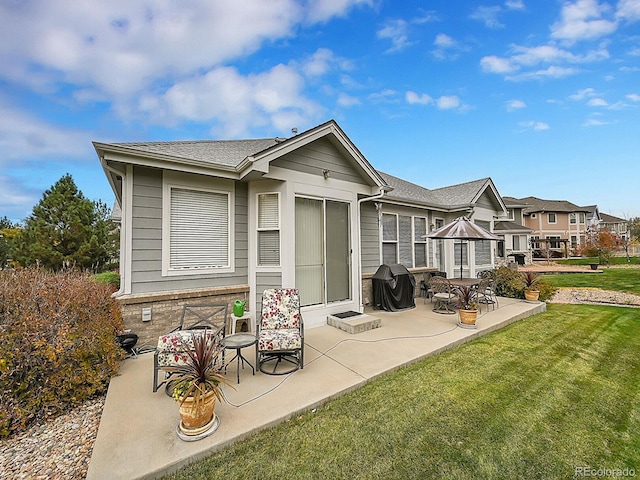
column 280, row 332
column 280, row 309
column 171, row 349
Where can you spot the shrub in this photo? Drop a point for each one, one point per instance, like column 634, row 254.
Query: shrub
column 509, row 283
column 57, row 343
column 110, row 278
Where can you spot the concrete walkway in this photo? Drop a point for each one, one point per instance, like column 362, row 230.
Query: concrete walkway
column 137, row 436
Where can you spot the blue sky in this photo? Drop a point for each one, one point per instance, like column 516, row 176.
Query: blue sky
column 543, row 96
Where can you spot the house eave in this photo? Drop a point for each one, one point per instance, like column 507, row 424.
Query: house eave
column 119, row 154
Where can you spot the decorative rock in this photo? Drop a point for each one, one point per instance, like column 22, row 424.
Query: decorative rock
column 57, row 449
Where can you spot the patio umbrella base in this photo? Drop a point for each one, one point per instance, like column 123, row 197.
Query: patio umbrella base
column 191, row 435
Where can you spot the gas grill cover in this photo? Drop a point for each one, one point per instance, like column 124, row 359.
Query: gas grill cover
column 393, row 288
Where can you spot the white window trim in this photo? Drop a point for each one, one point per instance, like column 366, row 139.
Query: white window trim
column 419, row 240
column 383, row 241
column 186, row 182
column 549, row 218
column 278, row 229
column 414, row 241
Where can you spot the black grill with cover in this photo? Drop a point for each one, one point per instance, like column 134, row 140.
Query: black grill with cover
column 393, row 288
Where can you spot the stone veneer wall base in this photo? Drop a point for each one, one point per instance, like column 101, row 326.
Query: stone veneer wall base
column 166, row 309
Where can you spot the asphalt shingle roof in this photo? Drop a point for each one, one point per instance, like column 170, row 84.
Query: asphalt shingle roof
column 230, row 153
column 535, row 204
column 462, row 193
column 227, row 153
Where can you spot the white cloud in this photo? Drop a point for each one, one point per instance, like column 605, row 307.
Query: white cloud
column 319, row 63
column 594, row 122
column 514, row 4
column 533, row 125
column 488, row 16
column 494, row 64
column 444, row 41
column 597, row 102
column 126, row 52
column 239, row 102
column 583, row 20
column 634, row 97
column 541, row 74
column 528, row 57
column 415, row 98
column 345, row 100
column 513, row 105
column 323, row 10
column 446, row 47
column 448, row 102
column 12, row 195
column 584, row 93
column 23, row 135
column 384, row 96
column 629, row 10
column 120, row 47
column 398, row 32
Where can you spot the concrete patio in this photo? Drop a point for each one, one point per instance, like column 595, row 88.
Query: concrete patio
column 137, row 436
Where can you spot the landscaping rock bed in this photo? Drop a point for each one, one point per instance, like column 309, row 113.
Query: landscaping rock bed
column 595, row 296
column 58, row 449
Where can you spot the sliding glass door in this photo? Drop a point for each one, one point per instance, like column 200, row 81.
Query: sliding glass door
column 323, row 251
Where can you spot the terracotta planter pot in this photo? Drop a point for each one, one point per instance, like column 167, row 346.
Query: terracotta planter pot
column 195, row 418
column 468, row 317
column 531, row 295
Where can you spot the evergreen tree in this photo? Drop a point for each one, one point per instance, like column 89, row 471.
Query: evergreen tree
column 8, row 231
column 66, row 229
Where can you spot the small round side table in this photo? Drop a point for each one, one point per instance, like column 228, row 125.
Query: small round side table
column 237, row 342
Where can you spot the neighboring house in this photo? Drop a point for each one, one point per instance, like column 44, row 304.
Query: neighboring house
column 559, row 226
column 618, row 226
column 516, row 247
column 218, row 221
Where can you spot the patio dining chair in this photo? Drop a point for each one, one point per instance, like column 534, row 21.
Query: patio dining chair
column 205, row 319
column 280, row 332
column 486, row 293
column 444, row 295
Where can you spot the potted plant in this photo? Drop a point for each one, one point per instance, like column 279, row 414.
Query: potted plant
column 467, row 307
column 198, row 382
column 531, row 291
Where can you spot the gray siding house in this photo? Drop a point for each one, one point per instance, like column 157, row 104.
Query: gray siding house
column 218, row 221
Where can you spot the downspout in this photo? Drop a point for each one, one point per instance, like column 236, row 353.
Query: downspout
column 122, row 260
column 378, row 195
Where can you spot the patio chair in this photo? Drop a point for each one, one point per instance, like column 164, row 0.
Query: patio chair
column 425, row 291
column 208, row 319
column 444, row 295
column 280, row 332
column 486, row 293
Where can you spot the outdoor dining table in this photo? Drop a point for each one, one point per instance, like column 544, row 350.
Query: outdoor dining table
column 464, row 282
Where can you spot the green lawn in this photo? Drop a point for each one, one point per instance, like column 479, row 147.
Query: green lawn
column 617, row 279
column 536, row 400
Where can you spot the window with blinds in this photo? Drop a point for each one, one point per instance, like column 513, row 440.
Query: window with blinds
column 389, row 239
column 483, row 247
column 268, row 229
column 199, row 229
column 420, row 243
